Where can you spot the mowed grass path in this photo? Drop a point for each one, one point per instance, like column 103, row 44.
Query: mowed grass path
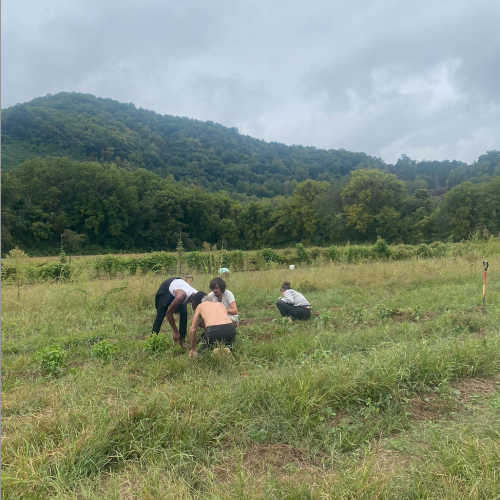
column 391, row 390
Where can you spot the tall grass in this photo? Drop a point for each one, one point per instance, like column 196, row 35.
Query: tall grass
column 330, row 395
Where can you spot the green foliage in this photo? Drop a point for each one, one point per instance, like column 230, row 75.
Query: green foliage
column 270, row 256
column 302, row 255
column 83, row 127
column 51, row 360
column 98, row 176
column 62, row 256
column 255, row 434
column 36, row 273
column 358, row 253
column 385, row 312
column 155, row 345
column 333, row 254
column 381, row 248
column 368, row 194
column 358, row 315
column 282, row 325
column 156, row 262
column 423, row 250
column 211, row 260
column 103, row 350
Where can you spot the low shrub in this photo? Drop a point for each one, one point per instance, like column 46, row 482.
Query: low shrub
column 270, row 255
column 157, row 344
column 51, row 360
column 103, row 350
column 302, row 256
column 333, row 254
column 381, row 249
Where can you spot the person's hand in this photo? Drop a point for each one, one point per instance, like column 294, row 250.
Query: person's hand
column 193, row 353
column 176, row 336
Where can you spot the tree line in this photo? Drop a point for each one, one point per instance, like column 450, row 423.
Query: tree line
column 90, row 207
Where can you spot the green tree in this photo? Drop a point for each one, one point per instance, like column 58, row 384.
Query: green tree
column 371, row 201
column 461, row 206
column 255, row 221
column 297, row 217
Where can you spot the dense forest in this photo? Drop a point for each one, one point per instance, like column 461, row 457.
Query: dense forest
column 98, row 175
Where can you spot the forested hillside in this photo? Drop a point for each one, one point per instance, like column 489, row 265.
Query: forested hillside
column 83, row 127
column 104, row 176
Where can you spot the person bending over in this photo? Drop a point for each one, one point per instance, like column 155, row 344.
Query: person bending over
column 223, row 271
column 171, row 298
column 293, row 304
column 220, row 294
column 218, row 326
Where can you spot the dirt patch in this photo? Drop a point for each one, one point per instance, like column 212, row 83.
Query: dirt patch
column 260, row 458
column 338, row 418
column 389, row 461
column 426, row 408
column 481, row 334
column 471, row 389
column 411, row 317
column 253, row 321
column 278, row 459
column 429, row 407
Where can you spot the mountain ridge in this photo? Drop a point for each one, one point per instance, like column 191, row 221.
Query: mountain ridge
column 83, row 127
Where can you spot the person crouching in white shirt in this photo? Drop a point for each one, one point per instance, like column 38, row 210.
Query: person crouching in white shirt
column 293, row 304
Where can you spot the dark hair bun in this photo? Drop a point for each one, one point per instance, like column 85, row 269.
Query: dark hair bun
column 286, row 286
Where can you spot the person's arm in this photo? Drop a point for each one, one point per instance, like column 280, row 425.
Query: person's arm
column 192, row 330
column 288, row 297
column 180, row 297
column 229, row 299
column 233, row 310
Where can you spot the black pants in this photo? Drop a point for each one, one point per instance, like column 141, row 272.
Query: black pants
column 224, row 334
column 296, row 312
column 162, row 302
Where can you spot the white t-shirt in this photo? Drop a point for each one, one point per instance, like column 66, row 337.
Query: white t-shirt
column 181, row 285
column 227, row 300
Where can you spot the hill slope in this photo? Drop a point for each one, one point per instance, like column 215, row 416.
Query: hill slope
column 206, row 154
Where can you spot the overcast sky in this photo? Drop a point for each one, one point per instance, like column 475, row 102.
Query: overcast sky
column 385, row 77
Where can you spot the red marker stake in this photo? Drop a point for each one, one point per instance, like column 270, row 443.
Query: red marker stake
column 485, row 265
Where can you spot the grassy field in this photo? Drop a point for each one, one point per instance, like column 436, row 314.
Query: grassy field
column 390, row 391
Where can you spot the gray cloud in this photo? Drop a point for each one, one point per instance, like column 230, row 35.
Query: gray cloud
column 386, row 77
